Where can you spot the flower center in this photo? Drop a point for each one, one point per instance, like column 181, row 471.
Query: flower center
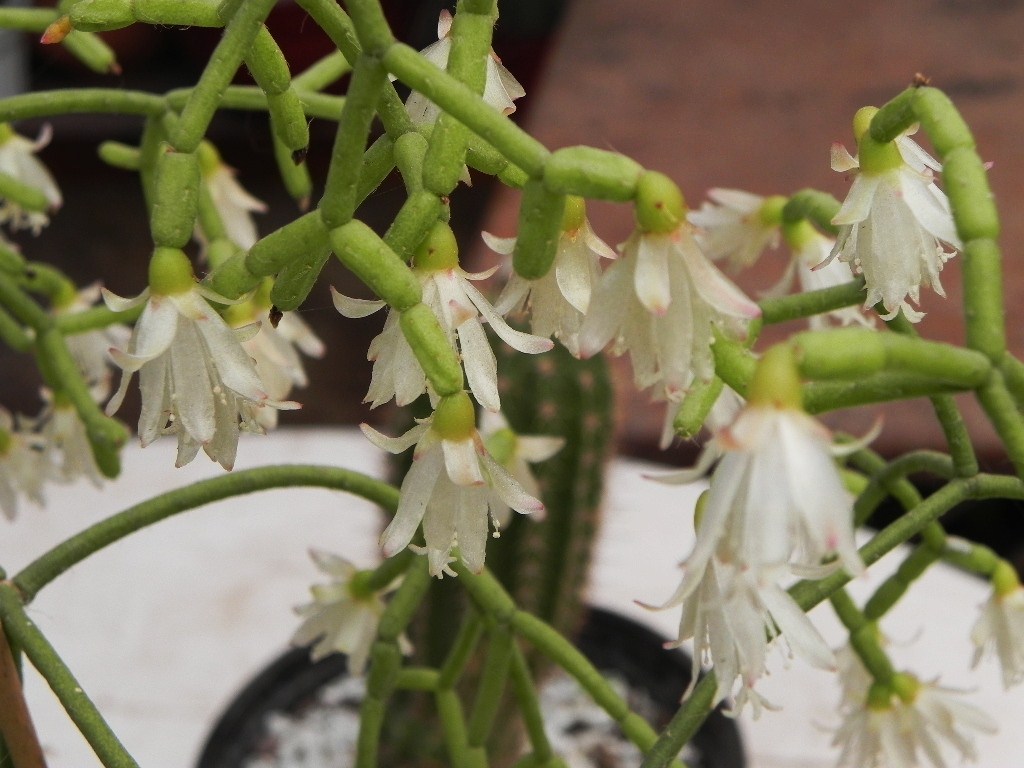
column 660, row 206
column 439, row 251
column 170, row 272
column 455, row 417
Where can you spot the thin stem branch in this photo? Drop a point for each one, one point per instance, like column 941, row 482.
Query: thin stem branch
column 44, row 658
column 48, row 566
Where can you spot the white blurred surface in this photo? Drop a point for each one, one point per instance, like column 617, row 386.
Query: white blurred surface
column 163, row 628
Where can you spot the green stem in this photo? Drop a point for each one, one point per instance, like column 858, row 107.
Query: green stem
column 48, row 566
column 338, row 26
column 340, row 190
column 529, row 704
column 491, row 597
column 825, row 396
column 27, row 19
column 76, row 703
column 386, row 659
column 889, row 479
column 854, row 353
column 417, row 679
column 894, row 587
column 492, row 686
column 322, row 73
column 683, row 725
column 972, row 204
column 811, row 303
column 12, row 333
column 460, row 101
column 224, row 62
column 808, row 594
column 814, row 206
column 977, row 559
column 1013, row 374
column 1006, row 417
column 252, row 99
column 462, row 650
column 371, row 25
column 953, row 427
column 453, row 723
column 467, row 62
column 95, row 318
column 734, row 363
column 863, row 637
column 80, row 101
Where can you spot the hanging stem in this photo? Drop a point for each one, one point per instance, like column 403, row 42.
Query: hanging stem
column 47, row 567
column 76, row 703
column 953, row 427
column 972, row 204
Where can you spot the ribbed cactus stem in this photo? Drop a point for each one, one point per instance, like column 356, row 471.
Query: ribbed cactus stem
column 544, row 563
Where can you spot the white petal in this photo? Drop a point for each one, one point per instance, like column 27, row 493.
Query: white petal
column 461, row 462
column 522, row 342
column 395, row 444
column 480, row 365
column 651, row 279
column 355, row 308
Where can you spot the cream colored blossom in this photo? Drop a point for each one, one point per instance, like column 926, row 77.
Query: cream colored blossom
column 661, row 302
column 342, row 617
column 196, row 380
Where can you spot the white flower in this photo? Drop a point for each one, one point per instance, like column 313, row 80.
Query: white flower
column 501, row 89
column 886, row 730
column 1000, row 629
column 90, row 349
column 894, row 226
column 343, row 617
column 736, row 226
column 733, row 616
column 195, row 378
column 660, row 301
column 66, row 437
column 776, row 497
column 458, row 306
column 275, row 351
column 515, row 453
column 812, row 266
column 25, row 466
column 454, row 488
column 17, row 160
column 233, row 204
column 558, row 301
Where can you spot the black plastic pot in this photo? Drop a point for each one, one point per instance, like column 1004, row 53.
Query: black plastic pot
column 617, row 646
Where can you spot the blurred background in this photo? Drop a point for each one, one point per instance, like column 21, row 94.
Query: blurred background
column 716, row 94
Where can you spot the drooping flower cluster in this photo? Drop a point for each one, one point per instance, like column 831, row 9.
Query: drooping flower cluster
column 663, row 299
column 344, row 614
column 740, row 226
column 197, row 381
column 454, row 487
column 460, row 309
column 895, row 223
column 776, row 504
